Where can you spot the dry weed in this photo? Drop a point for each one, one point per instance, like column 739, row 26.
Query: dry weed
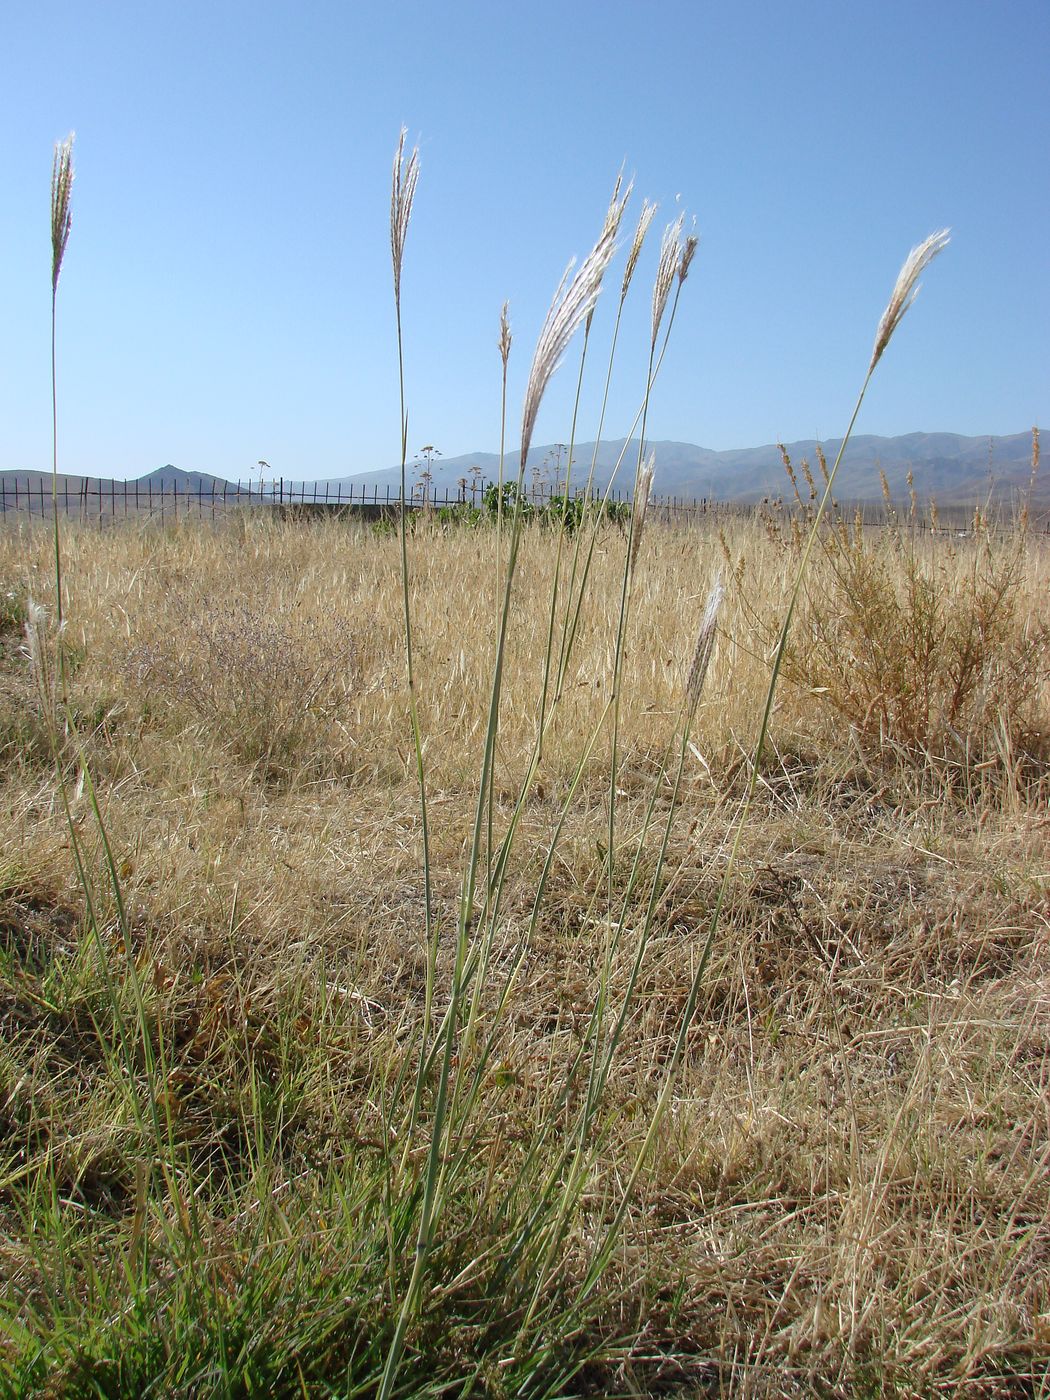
column 849, row 1194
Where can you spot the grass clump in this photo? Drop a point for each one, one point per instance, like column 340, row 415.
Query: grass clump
column 498, row 1048
column 928, row 642
column 272, row 682
column 938, row 656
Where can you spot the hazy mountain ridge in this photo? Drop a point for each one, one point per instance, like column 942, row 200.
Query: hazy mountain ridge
column 163, row 479
column 947, row 466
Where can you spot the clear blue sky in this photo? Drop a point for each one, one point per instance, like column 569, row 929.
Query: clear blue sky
column 227, row 296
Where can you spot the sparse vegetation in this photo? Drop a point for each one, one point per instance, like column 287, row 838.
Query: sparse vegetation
column 850, row 1181
column 918, row 638
column 578, row 1012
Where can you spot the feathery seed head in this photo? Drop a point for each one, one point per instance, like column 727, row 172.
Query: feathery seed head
column 645, row 218
column 61, row 217
column 643, row 488
column 688, row 253
column 403, row 192
column 705, row 645
column 40, row 653
column 35, row 632
column 504, row 333
column 573, row 302
column 613, row 219
column 906, row 290
column 670, row 258
column 617, row 204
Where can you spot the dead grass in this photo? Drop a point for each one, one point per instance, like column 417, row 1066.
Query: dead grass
column 850, row 1191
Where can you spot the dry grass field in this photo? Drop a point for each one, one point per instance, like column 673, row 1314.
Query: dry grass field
column 509, row 956
column 225, row 1039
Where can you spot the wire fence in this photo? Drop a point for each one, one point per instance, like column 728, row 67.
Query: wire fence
column 105, row 502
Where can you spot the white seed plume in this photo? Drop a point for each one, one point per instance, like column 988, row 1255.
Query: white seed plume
column 40, row 655
column 35, row 632
column 688, row 253
column 613, row 219
column 573, row 302
column 617, row 204
column 643, row 488
column 705, row 644
column 402, row 193
column 61, row 217
column 645, row 218
column 906, row 290
column 504, row 334
column 670, row 260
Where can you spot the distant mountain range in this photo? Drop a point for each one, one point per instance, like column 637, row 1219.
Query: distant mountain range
column 946, row 466
column 950, row 468
column 163, row 479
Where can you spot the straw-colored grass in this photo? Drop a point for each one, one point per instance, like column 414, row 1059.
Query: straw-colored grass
column 504, row 1000
column 849, row 1191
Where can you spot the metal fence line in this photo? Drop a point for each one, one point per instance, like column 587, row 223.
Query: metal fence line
column 107, row 501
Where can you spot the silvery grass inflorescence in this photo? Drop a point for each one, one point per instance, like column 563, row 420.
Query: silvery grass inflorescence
column 670, row 262
column 61, row 222
column 645, row 218
column 61, row 215
column 613, row 217
column 705, row 645
column 617, row 204
column 643, row 488
column 42, row 658
column 689, row 248
column 573, row 303
column 504, row 334
column 906, row 290
column 403, row 192
column 35, row 634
